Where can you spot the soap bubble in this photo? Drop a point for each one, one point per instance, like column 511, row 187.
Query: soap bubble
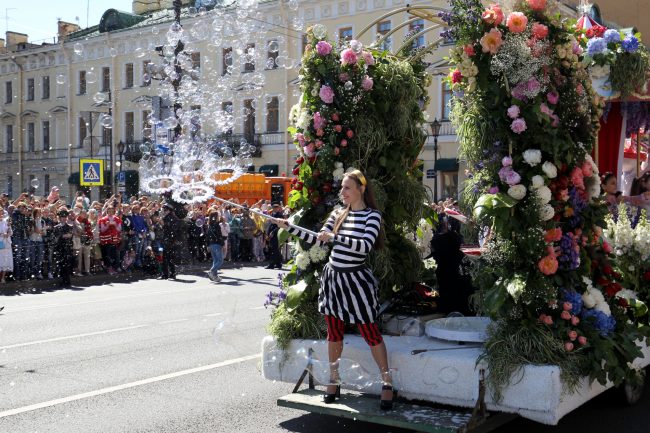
column 320, row 31
column 106, row 121
column 273, row 46
column 113, row 51
column 356, row 46
column 91, row 77
column 60, row 79
column 293, row 5
column 78, row 48
column 99, row 97
column 348, row 85
column 34, row 183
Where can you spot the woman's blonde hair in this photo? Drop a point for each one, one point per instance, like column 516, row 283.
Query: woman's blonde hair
column 368, row 199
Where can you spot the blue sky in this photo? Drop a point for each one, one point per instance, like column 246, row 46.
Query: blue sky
column 38, row 18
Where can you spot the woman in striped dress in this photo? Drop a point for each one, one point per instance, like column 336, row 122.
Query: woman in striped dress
column 348, row 290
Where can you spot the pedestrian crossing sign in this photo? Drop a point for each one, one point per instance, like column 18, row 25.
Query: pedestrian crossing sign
column 91, row 172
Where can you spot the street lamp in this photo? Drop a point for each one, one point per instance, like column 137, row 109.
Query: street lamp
column 435, row 131
column 120, row 150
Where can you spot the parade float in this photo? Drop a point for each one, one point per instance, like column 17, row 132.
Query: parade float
column 557, row 325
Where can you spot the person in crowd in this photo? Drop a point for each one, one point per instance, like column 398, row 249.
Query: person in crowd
column 48, row 242
column 235, row 235
column 275, row 258
column 640, row 193
column 85, row 243
column 258, row 234
column 196, row 236
column 156, row 231
column 225, row 231
column 149, row 263
column 608, row 184
column 110, row 236
column 140, row 233
column 20, row 223
column 348, row 289
column 54, row 195
column 6, row 255
column 171, row 233
column 215, row 241
column 248, row 227
column 37, row 245
column 128, row 261
column 63, row 254
column 76, row 236
column 95, row 248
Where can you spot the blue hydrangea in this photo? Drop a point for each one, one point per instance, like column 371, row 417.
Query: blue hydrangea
column 574, row 298
column 630, row 44
column 596, row 46
column 603, row 323
column 612, row 35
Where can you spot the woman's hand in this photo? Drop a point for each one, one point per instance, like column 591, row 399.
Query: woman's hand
column 325, row 237
column 282, row 223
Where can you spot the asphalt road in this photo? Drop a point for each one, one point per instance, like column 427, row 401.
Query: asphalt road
column 178, row 356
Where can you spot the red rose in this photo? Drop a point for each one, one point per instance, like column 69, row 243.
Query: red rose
column 344, row 142
column 298, row 186
column 335, row 117
column 646, row 276
column 349, row 133
column 456, row 76
column 296, row 171
column 300, row 160
column 613, row 289
column 607, row 269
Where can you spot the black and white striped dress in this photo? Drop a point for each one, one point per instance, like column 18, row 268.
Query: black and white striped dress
column 348, row 288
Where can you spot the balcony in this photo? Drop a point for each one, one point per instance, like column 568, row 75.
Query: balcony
column 446, row 128
column 132, row 152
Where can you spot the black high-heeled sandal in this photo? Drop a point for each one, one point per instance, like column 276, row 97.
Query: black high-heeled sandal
column 387, row 404
column 330, row 398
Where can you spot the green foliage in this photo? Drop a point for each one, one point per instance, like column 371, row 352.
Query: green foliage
column 300, row 323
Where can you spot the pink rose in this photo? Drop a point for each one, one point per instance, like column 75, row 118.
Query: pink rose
column 567, row 306
column 556, row 120
column 319, row 144
column 310, row 150
column 544, row 109
column 338, row 128
column 568, row 346
column 577, row 178
column 491, row 41
column 493, row 15
column 548, row 265
column 348, row 57
column 540, row 31
column 368, row 59
column 518, row 126
column 552, row 97
column 513, row 111
column 537, row 5
column 517, row 22
column 506, row 161
column 587, row 169
column 335, row 116
column 565, row 315
column 469, row 50
column 349, row 133
column 582, row 340
column 547, row 320
column 456, row 76
column 300, row 138
column 323, row 48
column 367, row 83
column 513, row 178
column 320, row 132
column 573, row 335
column 344, row 142
column 319, row 121
column 575, row 320
column 326, row 94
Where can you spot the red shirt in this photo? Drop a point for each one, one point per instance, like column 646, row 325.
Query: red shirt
column 110, row 229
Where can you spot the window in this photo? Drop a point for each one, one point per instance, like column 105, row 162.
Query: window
column 30, row 89
column 145, row 120
column 128, row 75
column 46, row 135
column 415, row 27
column 46, row 87
column 249, row 58
column 272, row 54
column 30, row 137
column 9, row 138
column 226, row 60
column 129, row 127
column 107, row 136
column 82, row 82
column 345, row 35
column 83, row 131
column 273, row 115
column 106, row 79
column 31, row 179
column 9, row 93
column 196, row 60
column 146, row 78
column 446, row 101
column 382, row 29
column 46, row 183
column 449, row 184
column 249, row 121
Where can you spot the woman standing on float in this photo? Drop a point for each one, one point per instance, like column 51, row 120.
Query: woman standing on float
column 348, row 291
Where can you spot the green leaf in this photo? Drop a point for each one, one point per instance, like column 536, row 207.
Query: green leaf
column 294, row 293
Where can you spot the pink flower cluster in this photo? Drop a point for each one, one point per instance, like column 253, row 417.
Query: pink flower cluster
column 493, row 15
column 323, row 48
column 348, row 57
column 509, row 176
column 517, row 22
column 326, row 94
column 319, row 121
column 491, row 41
column 367, row 83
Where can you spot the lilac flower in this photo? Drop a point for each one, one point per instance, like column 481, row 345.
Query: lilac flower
column 596, row 46
column 518, row 126
column 506, row 161
column 630, row 44
column 612, row 35
column 513, row 111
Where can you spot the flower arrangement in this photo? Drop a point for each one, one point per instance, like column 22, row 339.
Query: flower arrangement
column 346, row 119
column 527, row 122
column 618, row 60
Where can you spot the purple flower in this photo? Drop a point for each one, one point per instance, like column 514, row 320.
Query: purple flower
column 493, row 190
column 367, row 83
column 630, row 44
column 518, row 126
column 533, row 86
column 600, row 321
column 348, row 57
column 506, row 161
column 612, row 35
column 323, row 48
column 513, row 111
column 596, row 46
column 513, row 178
column 544, row 109
column 326, row 94
column 574, row 298
column 319, row 121
column 552, row 97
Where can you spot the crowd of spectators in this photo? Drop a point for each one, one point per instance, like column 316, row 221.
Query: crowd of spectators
column 47, row 238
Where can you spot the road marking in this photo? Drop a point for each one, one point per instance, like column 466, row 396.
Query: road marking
column 41, row 307
column 70, row 337
column 213, row 315
column 172, row 321
column 126, row 386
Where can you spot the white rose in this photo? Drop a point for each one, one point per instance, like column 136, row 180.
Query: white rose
column 533, row 157
column 517, row 191
column 544, row 194
column 338, row 174
column 550, row 170
column 588, row 300
column 302, row 260
column 537, row 182
column 597, row 295
column 627, row 294
column 546, row 212
column 604, row 308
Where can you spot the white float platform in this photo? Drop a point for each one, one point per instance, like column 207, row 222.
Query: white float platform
column 447, row 377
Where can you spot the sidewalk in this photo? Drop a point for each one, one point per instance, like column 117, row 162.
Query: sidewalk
column 18, row 287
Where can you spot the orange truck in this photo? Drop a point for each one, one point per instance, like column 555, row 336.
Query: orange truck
column 251, row 187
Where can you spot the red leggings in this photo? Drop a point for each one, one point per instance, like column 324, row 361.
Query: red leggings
column 369, row 331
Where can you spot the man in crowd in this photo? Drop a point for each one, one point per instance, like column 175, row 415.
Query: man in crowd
column 171, row 233
column 275, row 258
column 63, row 255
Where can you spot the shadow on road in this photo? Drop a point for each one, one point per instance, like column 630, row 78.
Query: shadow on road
column 316, row 423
